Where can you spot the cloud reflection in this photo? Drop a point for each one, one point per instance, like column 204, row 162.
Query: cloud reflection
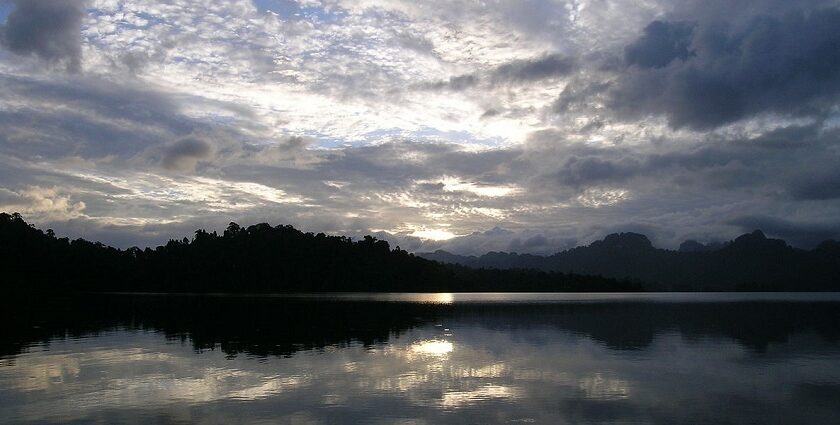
column 604, row 388
column 475, row 363
column 455, row 399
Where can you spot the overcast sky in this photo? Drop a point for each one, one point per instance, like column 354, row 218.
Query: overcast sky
column 527, row 125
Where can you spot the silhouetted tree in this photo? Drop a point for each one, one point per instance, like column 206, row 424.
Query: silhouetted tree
column 259, row 258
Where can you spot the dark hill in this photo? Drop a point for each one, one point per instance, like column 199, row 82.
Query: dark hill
column 259, row 258
column 750, row 262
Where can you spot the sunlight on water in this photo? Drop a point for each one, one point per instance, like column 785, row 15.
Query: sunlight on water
column 572, row 297
column 433, row 347
column 436, row 298
column 411, row 297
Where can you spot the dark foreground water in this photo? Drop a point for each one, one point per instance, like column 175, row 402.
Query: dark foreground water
column 423, row 359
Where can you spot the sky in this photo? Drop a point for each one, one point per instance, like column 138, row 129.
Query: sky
column 471, row 126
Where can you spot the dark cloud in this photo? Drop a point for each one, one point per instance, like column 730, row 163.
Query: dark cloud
column 135, row 61
column 662, row 43
column 585, row 171
column 537, row 240
column 455, row 83
column 761, row 164
column 185, row 153
column 490, row 113
column 49, row 29
column 578, row 94
column 703, row 184
column 112, row 100
column 518, row 71
column 730, row 71
column 822, row 185
column 93, row 118
column 400, row 162
column 541, row 244
column 415, row 42
column 534, row 69
column 740, row 11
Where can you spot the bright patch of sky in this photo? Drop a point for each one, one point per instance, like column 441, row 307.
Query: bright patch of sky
column 290, row 9
column 5, row 9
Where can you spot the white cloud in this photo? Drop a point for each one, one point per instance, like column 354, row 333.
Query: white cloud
column 42, row 203
column 601, row 197
column 455, row 184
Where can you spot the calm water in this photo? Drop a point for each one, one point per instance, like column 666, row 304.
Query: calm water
column 424, row 359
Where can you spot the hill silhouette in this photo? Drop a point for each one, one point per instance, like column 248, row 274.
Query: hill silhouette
column 750, row 262
column 253, row 259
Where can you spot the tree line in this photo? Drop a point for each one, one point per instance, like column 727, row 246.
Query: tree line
column 256, row 259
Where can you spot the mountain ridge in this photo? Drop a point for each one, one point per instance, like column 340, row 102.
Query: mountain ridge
column 751, row 261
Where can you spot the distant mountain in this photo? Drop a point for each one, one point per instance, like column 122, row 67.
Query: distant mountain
column 750, row 262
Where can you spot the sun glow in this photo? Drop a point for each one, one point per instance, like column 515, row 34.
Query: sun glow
column 456, row 184
column 434, row 234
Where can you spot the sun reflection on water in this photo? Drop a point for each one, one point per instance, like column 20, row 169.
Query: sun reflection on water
column 436, row 298
column 432, row 347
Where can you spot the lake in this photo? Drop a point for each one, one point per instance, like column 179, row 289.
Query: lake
column 769, row 358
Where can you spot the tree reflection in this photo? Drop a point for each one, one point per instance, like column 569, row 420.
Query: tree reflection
column 271, row 326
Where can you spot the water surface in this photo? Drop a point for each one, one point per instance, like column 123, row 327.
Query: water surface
column 423, row 359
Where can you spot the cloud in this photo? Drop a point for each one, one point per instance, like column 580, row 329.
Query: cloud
column 114, row 122
column 583, row 171
column 554, row 122
column 184, row 154
column 705, row 75
column 41, row 203
column 661, row 44
column 740, row 162
column 499, row 239
column 49, row 29
column 520, row 71
column 823, row 185
column 577, row 94
column 548, row 66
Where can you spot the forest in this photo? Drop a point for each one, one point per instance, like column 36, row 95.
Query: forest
column 256, row 259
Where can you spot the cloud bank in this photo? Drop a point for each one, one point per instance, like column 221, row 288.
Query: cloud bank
column 524, row 126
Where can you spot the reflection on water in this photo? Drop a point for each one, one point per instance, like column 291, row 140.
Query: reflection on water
column 412, row 297
column 428, row 360
column 432, row 347
column 572, row 297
